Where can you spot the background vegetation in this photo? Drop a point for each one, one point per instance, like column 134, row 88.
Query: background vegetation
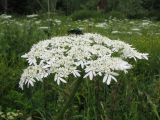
column 136, row 95
column 129, row 8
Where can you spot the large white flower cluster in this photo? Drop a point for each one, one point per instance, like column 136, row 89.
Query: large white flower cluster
column 93, row 54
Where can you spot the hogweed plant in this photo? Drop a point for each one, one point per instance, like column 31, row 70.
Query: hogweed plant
column 63, row 56
column 83, row 56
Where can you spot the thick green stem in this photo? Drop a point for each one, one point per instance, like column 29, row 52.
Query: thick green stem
column 70, row 99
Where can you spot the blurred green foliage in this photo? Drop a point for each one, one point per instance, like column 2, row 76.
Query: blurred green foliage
column 136, row 95
column 128, row 8
column 86, row 14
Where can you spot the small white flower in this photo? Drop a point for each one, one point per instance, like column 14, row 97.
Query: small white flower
column 59, row 79
column 76, row 73
column 91, row 74
column 107, row 78
column 81, row 63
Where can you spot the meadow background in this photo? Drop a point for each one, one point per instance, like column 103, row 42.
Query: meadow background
column 136, row 95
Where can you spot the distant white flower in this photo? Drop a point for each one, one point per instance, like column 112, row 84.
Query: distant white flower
column 4, row 16
column 18, row 23
column 135, row 29
column 43, row 28
column 138, row 33
column 119, row 32
column 157, row 33
column 91, row 54
column 115, row 32
column 49, row 20
column 57, row 21
column 86, row 20
column 32, row 16
column 148, row 21
column 81, row 28
column 101, row 25
column 145, row 23
column 1, row 113
column 38, row 22
column 129, row 32
column 131, row 22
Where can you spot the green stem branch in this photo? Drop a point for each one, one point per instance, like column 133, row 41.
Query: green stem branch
column 70, row 99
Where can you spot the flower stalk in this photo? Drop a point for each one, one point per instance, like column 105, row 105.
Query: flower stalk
column 70, row 99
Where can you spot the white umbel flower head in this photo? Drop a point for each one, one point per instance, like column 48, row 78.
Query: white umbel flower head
column 70, row 55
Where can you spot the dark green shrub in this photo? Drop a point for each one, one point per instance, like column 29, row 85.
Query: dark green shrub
column 155, row 15
column 85, row 14
column 116, row 14
column 129, row 8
